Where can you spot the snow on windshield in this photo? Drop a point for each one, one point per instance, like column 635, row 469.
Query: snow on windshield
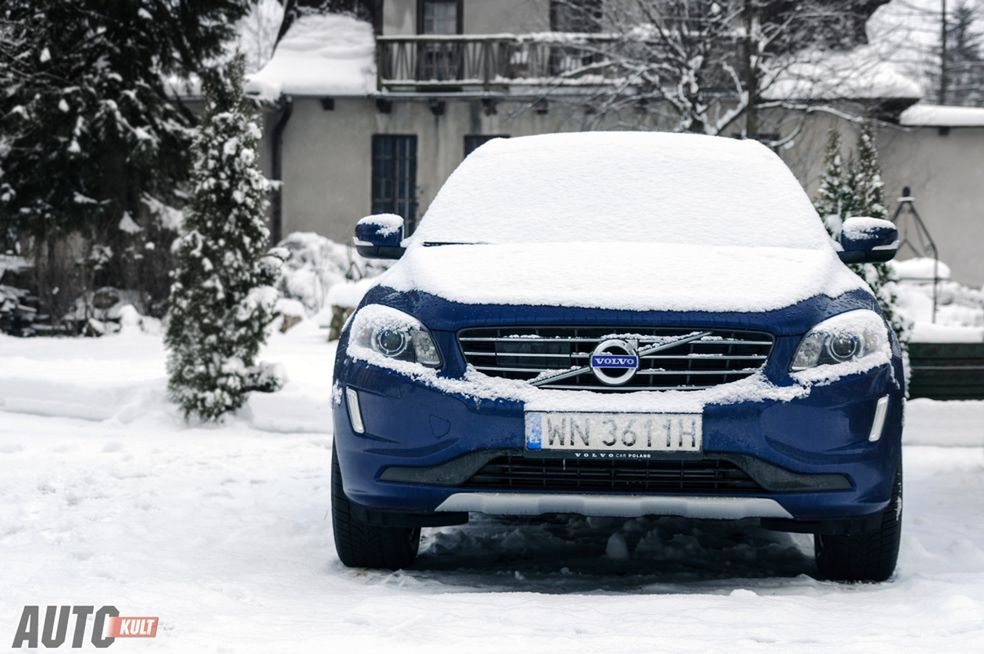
column 623, row 186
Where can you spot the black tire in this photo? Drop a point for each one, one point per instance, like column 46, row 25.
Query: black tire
column 866, row 556
column 362, row 545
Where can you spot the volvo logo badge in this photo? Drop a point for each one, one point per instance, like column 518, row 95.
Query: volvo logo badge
column 615, row 361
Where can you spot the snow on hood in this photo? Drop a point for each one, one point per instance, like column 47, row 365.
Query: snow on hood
column 623, row 220
column 631, row 276
column 623, row 186
column 320, row 55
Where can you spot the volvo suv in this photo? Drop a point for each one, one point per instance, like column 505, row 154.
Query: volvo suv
column 621, row 324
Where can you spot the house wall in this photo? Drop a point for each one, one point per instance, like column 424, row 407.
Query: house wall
column 943, row 169
column 327, row 154
column 945, row 172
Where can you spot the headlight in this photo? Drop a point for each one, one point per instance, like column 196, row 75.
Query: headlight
column 394, row 335
column 847, row 337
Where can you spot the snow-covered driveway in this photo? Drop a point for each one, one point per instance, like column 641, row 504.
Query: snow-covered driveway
column 225, row 534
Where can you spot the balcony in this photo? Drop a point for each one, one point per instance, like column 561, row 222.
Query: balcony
column 490, row 63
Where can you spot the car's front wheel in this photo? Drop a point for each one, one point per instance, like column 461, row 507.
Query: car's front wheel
column 359, row 543
column 865, row 556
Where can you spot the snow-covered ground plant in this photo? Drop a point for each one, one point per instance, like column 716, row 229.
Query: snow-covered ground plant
column 959, row 308
column 316, row 265
column 223, row 299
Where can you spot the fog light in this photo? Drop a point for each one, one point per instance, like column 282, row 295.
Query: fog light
column 355, row 413
column 881, row 408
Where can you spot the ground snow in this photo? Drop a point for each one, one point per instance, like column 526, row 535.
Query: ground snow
column 225, row 534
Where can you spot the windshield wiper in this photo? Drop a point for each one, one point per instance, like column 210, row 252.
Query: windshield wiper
column 434, row 244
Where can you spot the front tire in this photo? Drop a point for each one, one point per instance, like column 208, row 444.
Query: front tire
column 360, row 544
column 867, row 556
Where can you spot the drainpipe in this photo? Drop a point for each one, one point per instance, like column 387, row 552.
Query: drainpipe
column 277, row 166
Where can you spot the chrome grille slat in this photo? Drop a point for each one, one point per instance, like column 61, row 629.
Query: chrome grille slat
column 523, row 353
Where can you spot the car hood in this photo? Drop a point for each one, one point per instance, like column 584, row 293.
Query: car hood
column 623, row 276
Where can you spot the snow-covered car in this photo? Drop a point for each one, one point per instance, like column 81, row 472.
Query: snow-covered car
column 621, row 324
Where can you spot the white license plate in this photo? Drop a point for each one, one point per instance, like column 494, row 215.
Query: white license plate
column 614, row 432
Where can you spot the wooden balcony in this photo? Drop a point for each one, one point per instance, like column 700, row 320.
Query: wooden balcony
column 489, row 63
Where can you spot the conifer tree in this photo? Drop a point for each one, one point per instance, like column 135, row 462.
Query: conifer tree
column 857, row 190
column 833, row 197
column 222, row 297
column 93, row 145
column 868, row 194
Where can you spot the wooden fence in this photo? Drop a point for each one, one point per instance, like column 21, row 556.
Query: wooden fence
column 947, row 371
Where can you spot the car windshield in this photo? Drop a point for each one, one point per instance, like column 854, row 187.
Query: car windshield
column 623, row 187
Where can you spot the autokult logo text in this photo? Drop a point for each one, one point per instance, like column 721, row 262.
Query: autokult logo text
column 55, row 626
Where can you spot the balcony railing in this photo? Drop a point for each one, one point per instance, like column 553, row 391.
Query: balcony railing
column 490, row 63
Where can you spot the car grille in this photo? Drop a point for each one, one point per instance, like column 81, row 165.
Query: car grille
column 517, row 472
column 719, row 357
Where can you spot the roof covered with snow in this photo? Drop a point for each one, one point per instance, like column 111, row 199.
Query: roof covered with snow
column 931, row 115
column 858, row 74
column 320, row 55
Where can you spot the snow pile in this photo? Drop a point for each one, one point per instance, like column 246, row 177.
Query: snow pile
column 920, row 269
column 316, row 265
column 959, row 311
column 320, row 55
column 109, row 310
column 929, row 115
column 858, row 74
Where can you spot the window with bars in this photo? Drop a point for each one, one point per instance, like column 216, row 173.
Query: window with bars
column 472, row 141
column 394, row 176
column 440, row 60
column 580, row 16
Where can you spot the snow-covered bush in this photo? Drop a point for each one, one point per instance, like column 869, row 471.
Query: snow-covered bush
column 959, row 309
column 316, row 265
column 327, row 278
column 108, row 310
column 222, row 299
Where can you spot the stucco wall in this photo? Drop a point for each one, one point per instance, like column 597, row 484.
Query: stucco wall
column 327, row 154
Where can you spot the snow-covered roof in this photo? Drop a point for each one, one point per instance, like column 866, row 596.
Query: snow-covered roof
column 932, row 115
column 858, row 74
column 320, row 55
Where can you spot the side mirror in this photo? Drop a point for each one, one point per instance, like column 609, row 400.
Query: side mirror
column 868, row 240
column 380, row 236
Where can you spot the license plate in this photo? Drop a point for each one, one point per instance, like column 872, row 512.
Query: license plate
column 614, row 432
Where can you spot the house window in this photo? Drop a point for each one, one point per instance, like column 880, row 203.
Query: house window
column 439, row 60
column 579, row 16
column 439, row 17
column 575, row 16
column 472, row 141
column 394, row 176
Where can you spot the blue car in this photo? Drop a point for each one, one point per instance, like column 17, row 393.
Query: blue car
column 621, row 324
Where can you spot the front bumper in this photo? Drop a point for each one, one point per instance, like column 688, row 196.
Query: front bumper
column 822, row 435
